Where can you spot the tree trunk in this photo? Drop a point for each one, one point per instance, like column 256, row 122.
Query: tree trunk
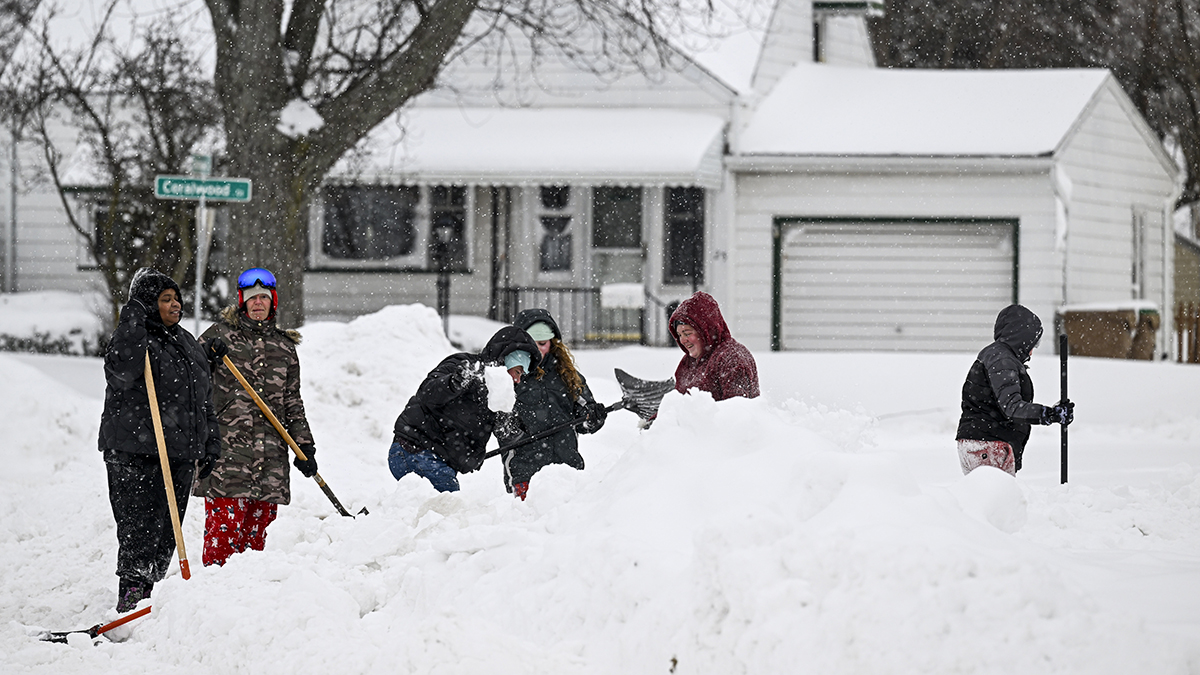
column 271, row 229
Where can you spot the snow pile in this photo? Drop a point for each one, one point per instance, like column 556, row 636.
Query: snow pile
column 740, row 536
column 51, row 321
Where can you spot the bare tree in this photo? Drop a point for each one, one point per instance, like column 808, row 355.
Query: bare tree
column 355, row 62
column 15, row 16
column 139, row 112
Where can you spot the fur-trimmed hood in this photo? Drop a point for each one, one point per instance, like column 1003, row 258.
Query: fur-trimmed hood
column 234, row 318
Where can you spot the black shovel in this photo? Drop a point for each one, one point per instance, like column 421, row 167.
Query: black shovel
column 641, row 397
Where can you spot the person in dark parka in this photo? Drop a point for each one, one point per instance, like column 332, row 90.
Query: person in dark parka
column 552, row 394
column 444, row 429
column 997, row 397
column 149, row 323
column 712, row 360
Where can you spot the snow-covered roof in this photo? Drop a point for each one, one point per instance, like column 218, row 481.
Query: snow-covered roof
column 827, row 110
column 507, row 146
column 728, row 40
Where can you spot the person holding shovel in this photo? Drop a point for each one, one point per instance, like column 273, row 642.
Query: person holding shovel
column 551, row 395
column 444, row 429
column 149, row 326
column 712, row 360
column 252, row 478
column 997, row 397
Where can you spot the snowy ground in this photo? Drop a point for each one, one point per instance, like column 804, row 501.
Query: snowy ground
column 822, row 528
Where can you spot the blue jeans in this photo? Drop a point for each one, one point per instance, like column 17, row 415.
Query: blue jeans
column 425, row 464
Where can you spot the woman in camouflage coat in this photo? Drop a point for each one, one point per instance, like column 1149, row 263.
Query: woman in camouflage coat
column 251, row 479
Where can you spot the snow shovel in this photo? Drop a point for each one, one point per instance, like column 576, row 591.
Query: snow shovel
column 156, row 417
column 262, row 405
column 94, row 631
column 641, row 397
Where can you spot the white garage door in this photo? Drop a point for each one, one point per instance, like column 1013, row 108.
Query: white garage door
column 907, row 286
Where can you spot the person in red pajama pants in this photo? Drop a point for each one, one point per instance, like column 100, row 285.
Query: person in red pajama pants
column 251, row 479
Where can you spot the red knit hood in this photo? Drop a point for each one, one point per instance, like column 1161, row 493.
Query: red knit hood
column 702, row 313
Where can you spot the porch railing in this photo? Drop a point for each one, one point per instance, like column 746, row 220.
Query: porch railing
column 582, row 319
column 1187, row 332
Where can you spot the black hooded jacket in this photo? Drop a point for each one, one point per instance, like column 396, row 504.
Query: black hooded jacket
column 181, row 381
column 997, row 397
column 449, row 414
column 543, row 403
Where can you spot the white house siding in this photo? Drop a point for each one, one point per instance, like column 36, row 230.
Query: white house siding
column 846, row 42
column 553, row 82
column 889, row 192
column 789, row 41
column 1115, row 174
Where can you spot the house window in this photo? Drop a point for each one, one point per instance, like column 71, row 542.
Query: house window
column 1138, row 262
column 448, row 227
column 554, row 203
column 617, row 217
column 367, row 222
column 684, row 233
column 400, row 226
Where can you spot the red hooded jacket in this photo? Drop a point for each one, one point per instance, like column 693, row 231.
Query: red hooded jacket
column 726, row 369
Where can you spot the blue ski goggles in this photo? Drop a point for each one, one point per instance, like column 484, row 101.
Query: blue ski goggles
column 256, row 275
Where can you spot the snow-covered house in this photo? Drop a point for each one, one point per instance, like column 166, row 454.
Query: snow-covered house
column 826, row 203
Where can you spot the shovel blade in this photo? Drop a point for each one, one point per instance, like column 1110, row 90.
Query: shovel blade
column 642, row 396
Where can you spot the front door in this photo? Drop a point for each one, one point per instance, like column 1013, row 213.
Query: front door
column 617, row 256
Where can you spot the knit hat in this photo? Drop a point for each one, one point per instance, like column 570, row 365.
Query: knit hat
column 540, row 331
column 517, row 358
column 256, row 289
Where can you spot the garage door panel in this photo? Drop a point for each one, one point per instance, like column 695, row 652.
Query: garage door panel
column 894, row 286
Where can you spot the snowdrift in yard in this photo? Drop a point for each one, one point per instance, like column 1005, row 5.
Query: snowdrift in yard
column 759, row 536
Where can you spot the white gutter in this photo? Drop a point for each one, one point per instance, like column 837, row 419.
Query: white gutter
column 888, row 164
column 10, row 238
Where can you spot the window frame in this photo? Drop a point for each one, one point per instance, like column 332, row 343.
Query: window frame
column 419, row 260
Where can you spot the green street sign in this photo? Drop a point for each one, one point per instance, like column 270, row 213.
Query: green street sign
column 213, row 189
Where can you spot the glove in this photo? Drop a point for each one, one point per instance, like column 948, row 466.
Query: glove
column 1062, row 413
column 469, row 373
column 308, row 466
column 596, row 415
column 508, row 429
column 215, row 349
column 204, row 467
column 139, row 309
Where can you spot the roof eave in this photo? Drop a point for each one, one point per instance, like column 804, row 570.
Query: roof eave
column 996, row 164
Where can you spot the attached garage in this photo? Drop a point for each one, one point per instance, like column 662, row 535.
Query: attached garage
column 891, row 210
column 902, row 284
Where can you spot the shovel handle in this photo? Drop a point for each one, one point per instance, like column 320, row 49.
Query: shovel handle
column 156, row 417
column 262, row 405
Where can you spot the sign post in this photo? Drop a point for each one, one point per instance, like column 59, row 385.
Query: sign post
column 201, row 188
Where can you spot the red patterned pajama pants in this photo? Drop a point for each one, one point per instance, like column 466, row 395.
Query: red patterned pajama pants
column 234, row 525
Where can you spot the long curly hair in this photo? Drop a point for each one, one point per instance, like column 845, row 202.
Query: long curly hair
column 566, row 368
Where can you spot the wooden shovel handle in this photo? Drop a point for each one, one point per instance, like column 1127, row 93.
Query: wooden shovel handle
column 262, row 405
column 155, row 415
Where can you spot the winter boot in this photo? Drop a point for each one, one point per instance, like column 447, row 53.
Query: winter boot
column 130, row 592
column 521, row 489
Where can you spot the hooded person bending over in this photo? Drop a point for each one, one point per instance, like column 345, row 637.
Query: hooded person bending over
column 713, row 361
column 444, row 429
column 997, row 398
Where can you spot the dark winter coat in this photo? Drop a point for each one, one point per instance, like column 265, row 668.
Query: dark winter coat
column 543, row 403
column 726, row 368
column 181, row 382
column 997, row 397
column 255, row 460
column 449, row 414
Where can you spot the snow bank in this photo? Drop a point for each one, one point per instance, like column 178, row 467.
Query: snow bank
column 740, row 536
column 51, row 321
